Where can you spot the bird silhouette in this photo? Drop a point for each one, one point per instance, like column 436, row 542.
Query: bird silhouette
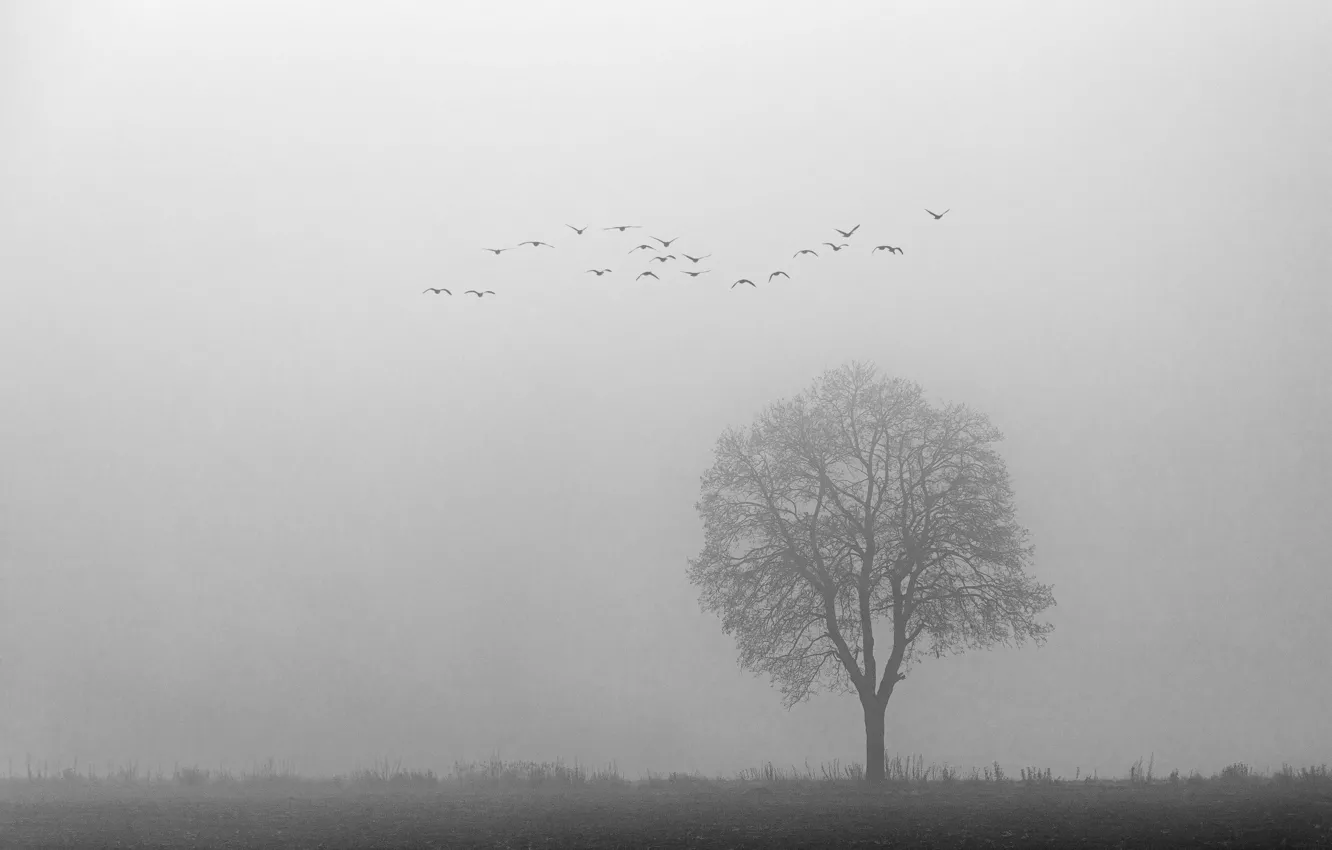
column 534, row 244
column 665, row 243
column 696, row 274
column 647, row 274
column 846, row 234
column 938, row 216
column 836, row 247
column 622, row 227
column 805, row 251
column 774, row 274
column 743, row 280
column 479, row 294
column 643, row 247
column 497, row 251
column 889, row 248
column 696, row 259
column 434, row 290
column 598, row 272
column 577, row 230
column 662, row 259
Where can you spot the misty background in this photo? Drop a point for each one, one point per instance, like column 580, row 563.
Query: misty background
column 260, row 497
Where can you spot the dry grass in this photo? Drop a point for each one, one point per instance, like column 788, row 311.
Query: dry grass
column 518, row 804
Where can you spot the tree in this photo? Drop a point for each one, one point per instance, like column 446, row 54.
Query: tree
column 855, row 506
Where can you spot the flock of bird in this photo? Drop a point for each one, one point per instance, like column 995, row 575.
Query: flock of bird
column 665, row 244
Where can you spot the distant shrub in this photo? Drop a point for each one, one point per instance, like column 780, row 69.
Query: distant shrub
column 190, row 776
column 499, row 773
column 1138, row 775
column 1237, row 772
column 608, row 778
column 1036, row 776
column 1312, row 775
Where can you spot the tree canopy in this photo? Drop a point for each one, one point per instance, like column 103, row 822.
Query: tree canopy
column 856, row 505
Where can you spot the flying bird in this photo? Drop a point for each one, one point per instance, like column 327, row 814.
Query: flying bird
column 742, row 280
column 889, row 248
column 479, row 294
column 805, row 251
column 647, row 274
column 837, row 247
column 598, row 272
column 696, row 259
column 938, row 216
column 497, row 251
column 774, row 274
column 696, row 274
column 534, row 244
column 577, row 230
column 665, row 243
column 846, row 234
column 662, row 259
column 642, row 247
column 434, row 290
column 622, row 227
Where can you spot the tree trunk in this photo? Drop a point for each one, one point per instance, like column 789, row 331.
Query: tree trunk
column 874, row 712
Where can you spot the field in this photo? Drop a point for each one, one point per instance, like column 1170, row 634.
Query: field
column 520, row 806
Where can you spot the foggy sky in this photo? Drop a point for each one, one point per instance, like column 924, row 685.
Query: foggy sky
column 260, row 497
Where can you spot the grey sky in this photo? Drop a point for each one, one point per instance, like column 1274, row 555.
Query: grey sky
column 261, row 497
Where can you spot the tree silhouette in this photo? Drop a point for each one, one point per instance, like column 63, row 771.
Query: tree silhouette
column 854, row 506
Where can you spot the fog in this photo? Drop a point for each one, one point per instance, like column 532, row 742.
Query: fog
column 260, row 496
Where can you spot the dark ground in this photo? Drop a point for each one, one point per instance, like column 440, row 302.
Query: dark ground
column 961, row 815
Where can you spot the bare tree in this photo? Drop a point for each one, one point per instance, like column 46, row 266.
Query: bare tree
column 855, row 506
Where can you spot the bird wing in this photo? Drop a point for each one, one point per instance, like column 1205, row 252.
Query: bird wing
column 854, row 229
column 471, row 292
